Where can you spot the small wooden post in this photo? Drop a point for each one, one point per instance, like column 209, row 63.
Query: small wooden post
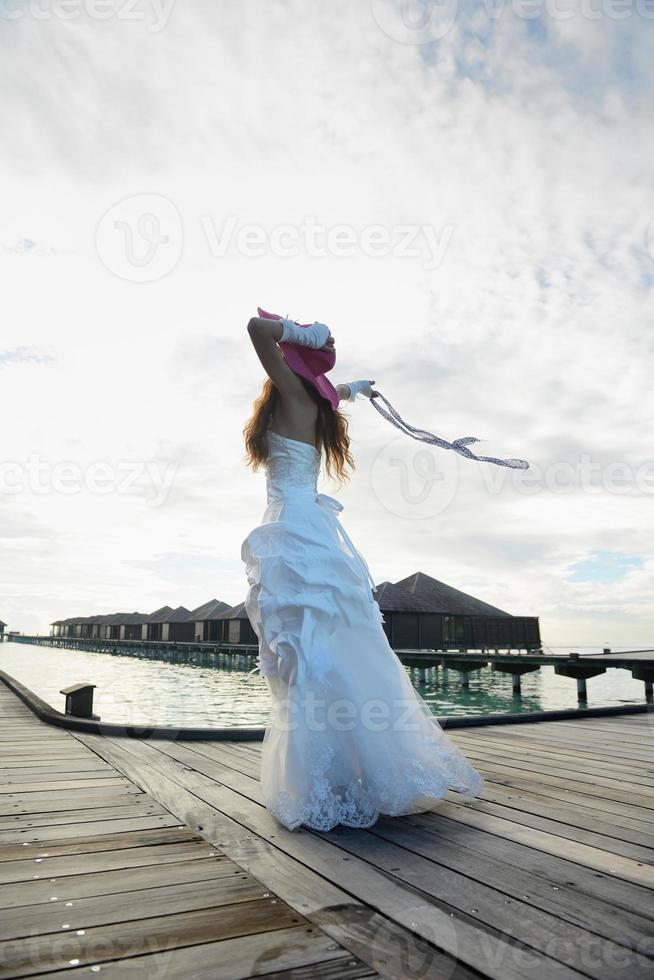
column 79, row 700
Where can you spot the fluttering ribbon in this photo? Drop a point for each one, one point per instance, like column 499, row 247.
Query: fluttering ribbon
column 458, row 446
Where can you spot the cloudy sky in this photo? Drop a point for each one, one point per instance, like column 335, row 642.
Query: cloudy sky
column 463, row 192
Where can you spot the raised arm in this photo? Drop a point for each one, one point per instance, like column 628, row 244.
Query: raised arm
column 264, row 335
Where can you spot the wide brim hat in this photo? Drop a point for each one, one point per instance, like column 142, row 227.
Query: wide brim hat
column 308, row 362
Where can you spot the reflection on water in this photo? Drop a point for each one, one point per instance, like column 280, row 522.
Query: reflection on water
column 140, row 691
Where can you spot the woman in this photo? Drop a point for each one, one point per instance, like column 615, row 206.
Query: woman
column 350, row 739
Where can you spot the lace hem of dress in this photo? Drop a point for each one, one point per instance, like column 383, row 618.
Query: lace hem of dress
column 390, row 794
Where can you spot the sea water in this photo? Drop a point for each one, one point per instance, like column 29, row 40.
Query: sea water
column 140, row 691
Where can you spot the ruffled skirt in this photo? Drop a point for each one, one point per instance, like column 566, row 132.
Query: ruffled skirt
column 350, row 739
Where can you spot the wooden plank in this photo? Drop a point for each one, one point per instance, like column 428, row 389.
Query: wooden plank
column 578, row 809
column 474, row 943
column 360, row 929
column 50, row 802
column 18, row 767
column 582, row 853
column 88, row 845
column 586, row 731
column 531, row 847
column 565, row 823
column 136, row 906
column 569, row 791
column 545, row 924
column 11, row 789
column 601, row 790
column 554, row 885
column 238, row 916
column 574, row 741
column 116, row 826
column 50, row 775
column 552, row 843
column 259, row 955
column 577, row 741
column 25, row 821
column 115, row 859
column 581, row 774
column 623, row 731
column 574, row 762
column 74, row 886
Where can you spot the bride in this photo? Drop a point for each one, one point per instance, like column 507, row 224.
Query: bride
column 349, row 738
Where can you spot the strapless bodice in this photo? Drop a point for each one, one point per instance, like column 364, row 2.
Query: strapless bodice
column 292, row 467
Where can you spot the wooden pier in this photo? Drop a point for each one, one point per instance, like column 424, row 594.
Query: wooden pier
column 125, row 857
column 425, row 663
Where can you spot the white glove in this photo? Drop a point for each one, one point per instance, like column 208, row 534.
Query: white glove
column 359, row 388
column 314, row 336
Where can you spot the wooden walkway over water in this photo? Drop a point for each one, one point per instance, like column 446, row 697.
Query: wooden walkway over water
column 128, row 858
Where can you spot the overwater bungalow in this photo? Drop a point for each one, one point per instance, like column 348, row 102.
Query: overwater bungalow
column 422, row 613
column 208, row 624
column 153, row 627
column 178, row 626
column 419, row 611
column 233, row 625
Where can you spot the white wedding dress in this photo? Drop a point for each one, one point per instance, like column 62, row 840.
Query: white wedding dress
column 349, row 739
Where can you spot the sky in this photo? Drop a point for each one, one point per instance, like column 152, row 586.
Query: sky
column 462, row 191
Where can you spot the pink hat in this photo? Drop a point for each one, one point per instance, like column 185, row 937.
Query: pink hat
column 308, row 362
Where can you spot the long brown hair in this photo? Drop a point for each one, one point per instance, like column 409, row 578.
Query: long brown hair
column 331, row 431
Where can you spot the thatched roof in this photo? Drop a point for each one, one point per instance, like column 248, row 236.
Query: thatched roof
column 392, row 598
column 233, row 612
column 179, row 615
column 446, row 599
column 160, row 615
column 210, row 610
column 134, row 619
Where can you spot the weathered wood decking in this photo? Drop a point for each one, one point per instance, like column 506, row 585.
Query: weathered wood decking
column 550, row 874
column 97, row 877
